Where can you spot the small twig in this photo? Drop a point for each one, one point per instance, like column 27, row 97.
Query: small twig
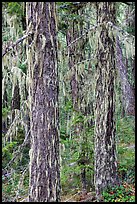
column 25, row 142
column 128, row 3
column 72, row 196
column 86, row 33
column 130, row 17
column 120, row 30
column 14, row 44
column 94, row 29
column 14, row 121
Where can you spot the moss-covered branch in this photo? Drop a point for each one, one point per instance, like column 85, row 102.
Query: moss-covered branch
column 7, row 49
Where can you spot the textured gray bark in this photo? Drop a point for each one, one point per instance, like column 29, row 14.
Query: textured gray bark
column 5, row 119
column 44, row 184
column 15, row 100
column 105, row 145
column 128, row 95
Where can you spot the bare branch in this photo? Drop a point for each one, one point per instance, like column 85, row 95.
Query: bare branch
column 121, row 30
column 128, row 3
column 84, row 34
column 19, row 150
column 14, row 44
column 94, row 30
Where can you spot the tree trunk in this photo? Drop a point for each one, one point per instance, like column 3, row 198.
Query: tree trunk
column 128, row 95
column 15, row 101
column 44, row 183
column 72, row 59
column 5, row 119
column 105, row 146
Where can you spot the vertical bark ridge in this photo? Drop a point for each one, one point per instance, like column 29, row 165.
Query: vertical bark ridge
column 128, row 98
column 44, row 153
column 105, row 147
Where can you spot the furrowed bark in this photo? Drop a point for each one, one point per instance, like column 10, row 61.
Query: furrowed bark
column 44, row 184
column 105, row 145
column 128, row 95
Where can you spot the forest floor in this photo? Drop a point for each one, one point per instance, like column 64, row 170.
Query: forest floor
column 79, row 197
column 126, row 170
column 71, row 190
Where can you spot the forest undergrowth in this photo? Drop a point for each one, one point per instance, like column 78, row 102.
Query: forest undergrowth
column 84, row 102
column 16, row 179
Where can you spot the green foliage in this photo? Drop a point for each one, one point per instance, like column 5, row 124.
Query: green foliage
column 122, row 193
column 5, row 38
column 11, row 147
column 23, row 67
column 10, row 187
column 68, row 107
column 78, row 118
column 126, row 166
column 67, row 13
column 69, row 179
column 72, row 157
column 5, row 112
column 11, row 182
column 130, row 30
column 126, row 150
column 70, row 119
column 126, row 163
column 126, row 130
column 20, row 135
column 7, row 151
column 15, row 8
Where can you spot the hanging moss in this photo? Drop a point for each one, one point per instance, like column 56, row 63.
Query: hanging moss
column 15, row 8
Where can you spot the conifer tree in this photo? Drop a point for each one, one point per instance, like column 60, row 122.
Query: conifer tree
column 105, row 145
column 44, row 153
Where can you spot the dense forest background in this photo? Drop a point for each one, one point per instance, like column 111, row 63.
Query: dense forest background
column 92, row 97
